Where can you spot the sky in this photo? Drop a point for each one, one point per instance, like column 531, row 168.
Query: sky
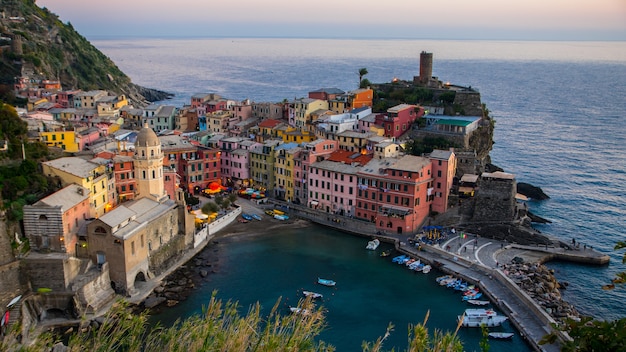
column 403, row 19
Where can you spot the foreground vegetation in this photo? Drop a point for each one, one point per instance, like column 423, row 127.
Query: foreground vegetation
column 221, row 328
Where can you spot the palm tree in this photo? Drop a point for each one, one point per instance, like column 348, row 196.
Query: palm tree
column 362, row 72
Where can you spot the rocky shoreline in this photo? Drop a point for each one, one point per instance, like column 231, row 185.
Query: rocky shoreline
column 541, row 285
column 178, row 286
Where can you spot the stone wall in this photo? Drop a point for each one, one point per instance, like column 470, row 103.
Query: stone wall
column 167, row 254
column 51, row 272
column 469, row 101
column 96, row 292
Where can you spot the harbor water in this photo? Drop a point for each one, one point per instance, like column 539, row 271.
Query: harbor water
column 371, row 291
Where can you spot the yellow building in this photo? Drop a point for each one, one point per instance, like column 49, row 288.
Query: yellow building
column 65, row 140
column 284, row 171
column 294, row 135
column 303, row 108
column 74, row 170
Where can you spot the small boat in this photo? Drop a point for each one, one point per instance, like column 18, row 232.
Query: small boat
column 474, row 296
column 373, row 244
column 399, row 258
column 269, row 212
column 246, row 216
column 385, row 253
column 427, row 268
column 280, row 217
column 256, row 217
column 326, row 282
column 477, row 302
column 279, row 212
column 475, row 318
column 297, row 310
column 243, row 221
column 501, row 335
column 313, row 295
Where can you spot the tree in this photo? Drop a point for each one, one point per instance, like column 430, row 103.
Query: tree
column 362, row 72
column 365, row 83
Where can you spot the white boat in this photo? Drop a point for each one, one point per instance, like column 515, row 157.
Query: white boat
column 475, row 318
column 373, row 244
column 477, row 302
column 501, row 335
column 313, row 295
column 297, row 310
column 427, row 269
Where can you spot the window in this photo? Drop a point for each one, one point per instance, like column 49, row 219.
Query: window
column 438, row 173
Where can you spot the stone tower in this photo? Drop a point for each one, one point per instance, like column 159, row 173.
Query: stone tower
column 426, row 67
column 16, row 45
column 149, row 165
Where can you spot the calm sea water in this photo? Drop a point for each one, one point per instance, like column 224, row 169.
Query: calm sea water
column 560, row 111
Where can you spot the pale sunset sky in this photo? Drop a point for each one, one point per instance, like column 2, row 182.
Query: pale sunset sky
column 410, row 19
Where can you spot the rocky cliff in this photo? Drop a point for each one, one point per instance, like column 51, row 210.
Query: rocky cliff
column 36, row 44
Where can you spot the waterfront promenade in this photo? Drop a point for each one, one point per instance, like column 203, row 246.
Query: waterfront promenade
column 476, row 260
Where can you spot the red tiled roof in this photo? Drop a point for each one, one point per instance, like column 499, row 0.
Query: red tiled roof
column 269, row 123
column 350, row 157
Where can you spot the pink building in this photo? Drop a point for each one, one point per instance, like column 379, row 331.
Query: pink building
column 87, row 137
column 311, row 152
column 444, row 169
column 398, row 119
column 395, row 193
column 235, row 160
column 53, row 222
column 333, row 182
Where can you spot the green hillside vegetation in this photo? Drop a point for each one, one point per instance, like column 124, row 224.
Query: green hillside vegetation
column 51, row 49
column 21, row 182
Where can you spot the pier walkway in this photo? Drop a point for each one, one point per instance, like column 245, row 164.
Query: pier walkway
column 476, row 260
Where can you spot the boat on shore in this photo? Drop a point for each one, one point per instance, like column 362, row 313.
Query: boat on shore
column 326, row 282
column 247, row 217
column 373, row 244
column 475, row 318
column 501, row 335
column 281, row 217
column 313, row 295
column 256, row 217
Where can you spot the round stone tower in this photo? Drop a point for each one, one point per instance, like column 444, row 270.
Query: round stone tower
column 426, row 67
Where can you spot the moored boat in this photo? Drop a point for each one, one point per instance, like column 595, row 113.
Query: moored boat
column 385, row 253
column 373, row 244
column 427, row 268
column 297, row 310
column 477, row 302
column 326, row 282
column 474, row 318
column 313, row 295
column 501, row 335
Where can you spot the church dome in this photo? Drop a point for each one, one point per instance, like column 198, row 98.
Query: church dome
column 147, row 138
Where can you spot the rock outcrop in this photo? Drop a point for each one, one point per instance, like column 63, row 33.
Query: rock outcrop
column 530, row 191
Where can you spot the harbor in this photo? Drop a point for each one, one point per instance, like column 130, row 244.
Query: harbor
column 476, row 260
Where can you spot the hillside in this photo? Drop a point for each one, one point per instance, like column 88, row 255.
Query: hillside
column 35, row 43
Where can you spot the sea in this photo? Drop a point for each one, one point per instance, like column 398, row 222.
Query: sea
column 560, row 112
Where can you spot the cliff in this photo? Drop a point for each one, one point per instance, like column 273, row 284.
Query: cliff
column 36, row 44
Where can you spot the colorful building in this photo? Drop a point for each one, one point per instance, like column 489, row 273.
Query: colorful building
column 395, row 193
column 444, row 169
column 65, row 140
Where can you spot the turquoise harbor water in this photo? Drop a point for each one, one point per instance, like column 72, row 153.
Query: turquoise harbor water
column 560, row 118
column 371, row 291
